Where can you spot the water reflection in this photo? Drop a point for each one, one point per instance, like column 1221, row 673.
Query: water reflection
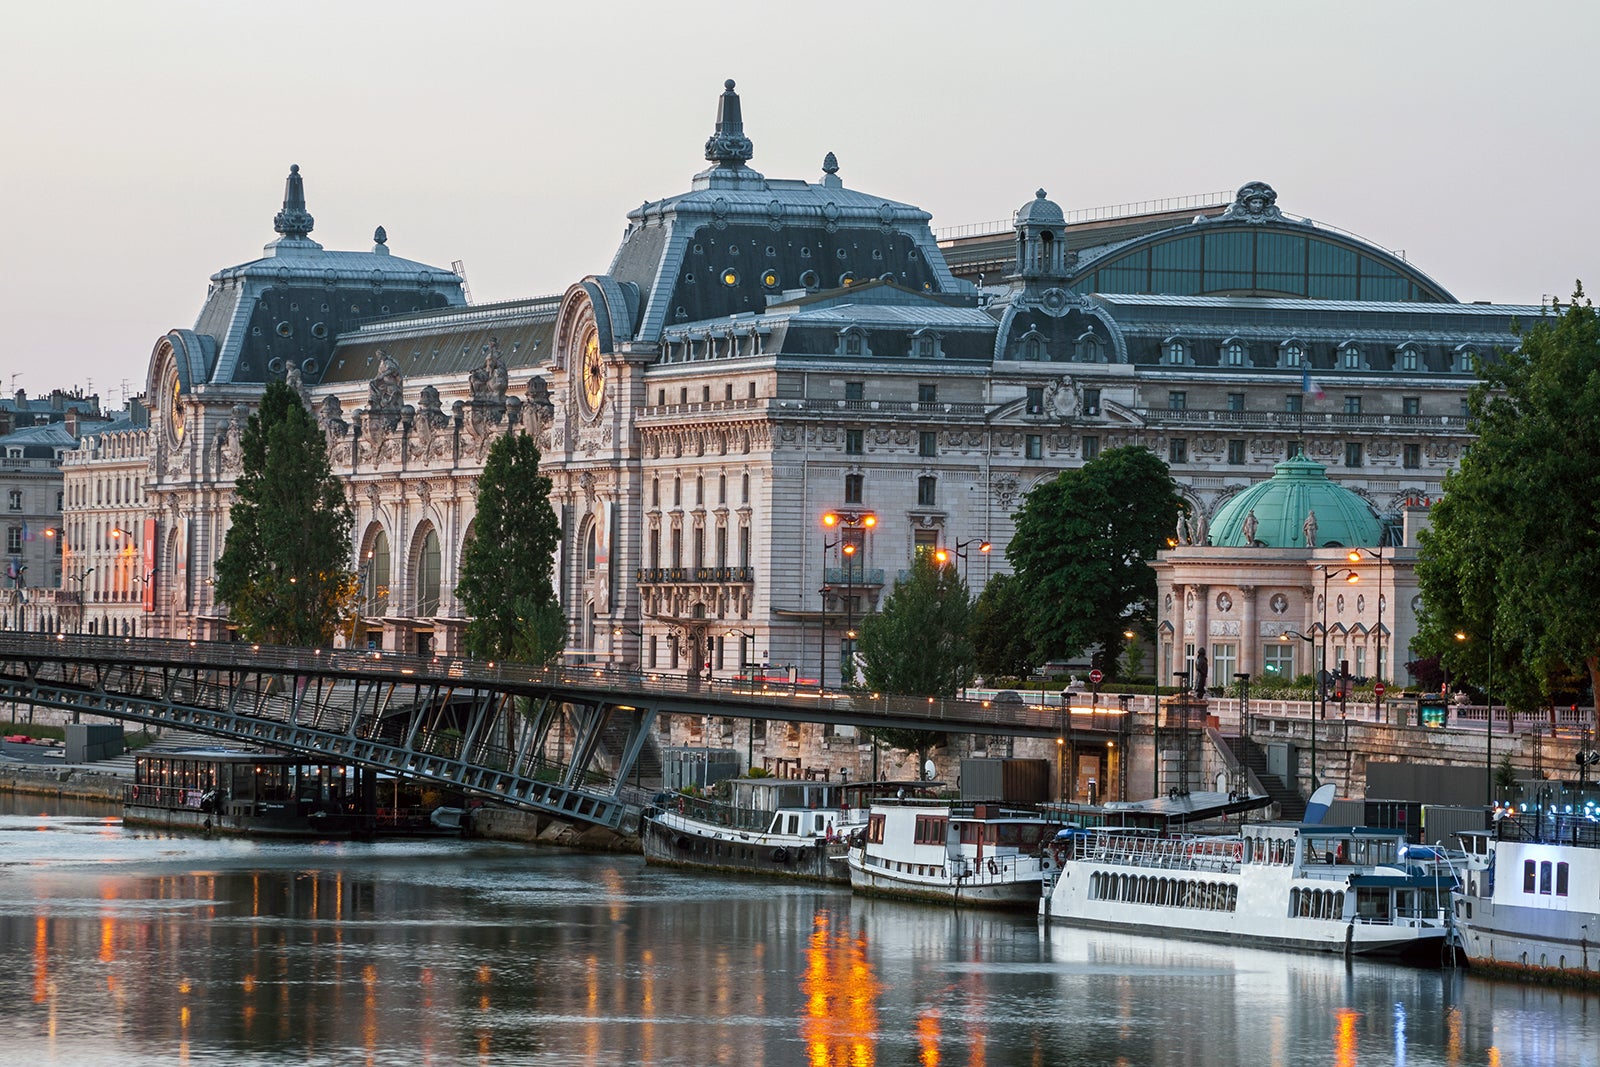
column 841, row 997
column 140, row 947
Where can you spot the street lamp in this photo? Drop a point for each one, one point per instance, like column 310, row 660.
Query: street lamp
column 1322, row 695
column 743, row 636
column 617, row 630
column 1488, row 719
column 850, row 545
column 1354, row 556
column 82, row 608
column 983, row 547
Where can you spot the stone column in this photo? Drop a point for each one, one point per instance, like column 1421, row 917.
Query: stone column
column 1249, row 635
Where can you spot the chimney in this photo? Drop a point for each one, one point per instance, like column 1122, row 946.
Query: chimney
column 72, row 422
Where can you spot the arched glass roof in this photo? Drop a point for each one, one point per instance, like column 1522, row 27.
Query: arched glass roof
column 1220, row 258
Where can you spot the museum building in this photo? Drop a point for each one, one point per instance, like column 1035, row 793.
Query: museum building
column 762, row 353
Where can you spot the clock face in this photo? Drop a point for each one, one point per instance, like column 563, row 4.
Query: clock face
column 594, row 371
column 175, row 409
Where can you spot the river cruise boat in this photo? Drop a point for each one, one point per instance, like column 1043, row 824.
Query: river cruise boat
column 1530, row 906
column 980, row 854
column 275, row 795
column 772, row 826
column 1350, row 890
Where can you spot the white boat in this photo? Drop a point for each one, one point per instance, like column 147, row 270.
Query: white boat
column 776, row 826
column 982, row 854
column 1351, row 890
column 1530, row 905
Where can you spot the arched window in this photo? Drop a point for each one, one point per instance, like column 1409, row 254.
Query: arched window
column 591, row 545
column 1233, row 354
column 375, row 576
column 1175, row 353
column 427, row 583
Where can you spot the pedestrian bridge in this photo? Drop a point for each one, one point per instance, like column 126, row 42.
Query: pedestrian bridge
column 529, row 737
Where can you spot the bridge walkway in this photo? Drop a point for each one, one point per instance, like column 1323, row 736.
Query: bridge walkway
column 481, row 727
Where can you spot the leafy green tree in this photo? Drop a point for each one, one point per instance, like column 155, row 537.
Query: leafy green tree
column 506, row 583
column 918, row 645
column 1082, row 548
column 285, row 567
column 1510, row 561
column 1000, row 642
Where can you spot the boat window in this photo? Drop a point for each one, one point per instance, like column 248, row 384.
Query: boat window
column 1561, row 879
column 930, row 830
column 1544, row 878
column 817, row 824
column 875, row 828
column 1528, row 869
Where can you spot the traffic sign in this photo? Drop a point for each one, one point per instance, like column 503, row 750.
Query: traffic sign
column 1095, row 677
column 1378, row 689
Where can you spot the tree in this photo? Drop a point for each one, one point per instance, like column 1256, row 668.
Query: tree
column 506, row 583
column 1510, row 561
column 918, row 645
column 285, row 567
column 1001, row 646
column 1082, row 548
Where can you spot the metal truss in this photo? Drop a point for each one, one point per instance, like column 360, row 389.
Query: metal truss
column 557, row 741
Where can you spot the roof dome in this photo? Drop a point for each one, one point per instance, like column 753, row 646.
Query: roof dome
column 1040, row 212
column 1298, row 488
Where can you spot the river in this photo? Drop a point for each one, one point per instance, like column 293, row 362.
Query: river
column 122, row 946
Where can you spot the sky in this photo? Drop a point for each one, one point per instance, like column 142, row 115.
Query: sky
column 143, row 146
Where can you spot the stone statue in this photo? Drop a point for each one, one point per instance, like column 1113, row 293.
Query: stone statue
column 488, row 384
column 1199, row 679
column 1182, row 532
column 292, row 378
column 1310, row 529
column 1250, row 526
column 430, row 410
column 1197, row 528
column 385, row 393
column 330, row 416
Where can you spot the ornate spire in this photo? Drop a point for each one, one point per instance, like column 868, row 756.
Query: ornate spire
column 293, row 220
column 728, row 146
column 830, row 164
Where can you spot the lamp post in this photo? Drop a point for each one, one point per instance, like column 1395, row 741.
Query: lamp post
column 1322, row 695
column 822, row 628
column 961, row 551
column 1377, row 554
column 1488, row 719
column 852, row 527
column 743, row 636
column 617, row 630
column 1244, row 699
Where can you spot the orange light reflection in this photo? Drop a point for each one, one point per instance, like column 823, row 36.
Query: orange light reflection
column 840, row 1026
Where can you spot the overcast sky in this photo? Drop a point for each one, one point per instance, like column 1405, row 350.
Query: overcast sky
column 143, row 146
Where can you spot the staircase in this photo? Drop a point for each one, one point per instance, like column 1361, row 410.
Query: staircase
column 170, row 740
column 647, row 769
column 1291, row 804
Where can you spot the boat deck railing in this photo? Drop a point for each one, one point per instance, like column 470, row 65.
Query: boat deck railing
column 1219, row 854
column 990, row 870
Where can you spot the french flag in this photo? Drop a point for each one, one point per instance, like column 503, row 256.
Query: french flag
column 1308, row 385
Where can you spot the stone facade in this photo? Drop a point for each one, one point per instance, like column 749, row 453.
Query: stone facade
column 760, row 353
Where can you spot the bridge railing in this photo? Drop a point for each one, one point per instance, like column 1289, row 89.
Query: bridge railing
column 206, row 657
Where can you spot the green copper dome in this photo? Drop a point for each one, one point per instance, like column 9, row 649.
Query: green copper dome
column 1298, row 488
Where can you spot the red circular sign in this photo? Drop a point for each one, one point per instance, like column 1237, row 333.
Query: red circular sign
column 1095, row 677
column 1378, row 689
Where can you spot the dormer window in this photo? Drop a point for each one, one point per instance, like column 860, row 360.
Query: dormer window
column 1176, row 354
column 1290, row 354
column 1088, row 348
column 852, row 342
column 1409, row 359
column 1031, row 349
column 1465, row 355
column 925, row 344
column 1350, row 356
column 1233, row 353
